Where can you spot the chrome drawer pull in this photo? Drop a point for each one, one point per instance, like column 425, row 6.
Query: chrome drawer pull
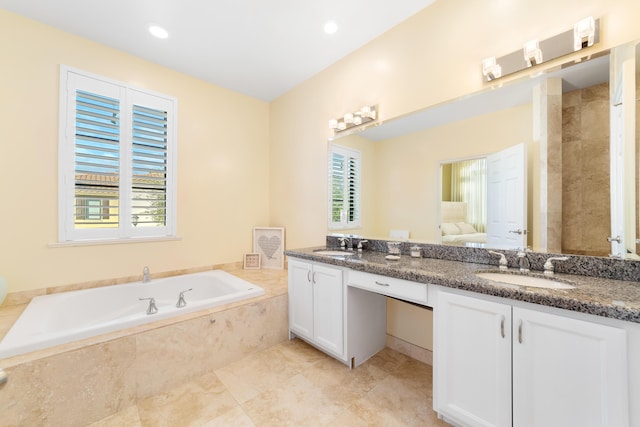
column 381, row 284
column 502, row 327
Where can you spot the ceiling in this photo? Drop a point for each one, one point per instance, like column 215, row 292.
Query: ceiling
column 261, row 48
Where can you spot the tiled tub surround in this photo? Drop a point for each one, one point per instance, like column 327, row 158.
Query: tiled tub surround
column 604, row 287
column 84, row 381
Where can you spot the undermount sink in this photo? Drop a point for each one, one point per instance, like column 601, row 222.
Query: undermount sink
column 332, row 252
column 521, row 280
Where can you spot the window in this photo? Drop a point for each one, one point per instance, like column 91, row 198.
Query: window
column 344, row 187
column 117, row 160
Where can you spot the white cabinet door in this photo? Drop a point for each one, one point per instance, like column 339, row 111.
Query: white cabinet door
column 316, row 305
column 472, row 361
column 300, row 298
column 328, row 319
column 567, row 372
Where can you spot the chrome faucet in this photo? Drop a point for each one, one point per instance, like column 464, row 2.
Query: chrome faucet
column 360, row 244
column 152, row 309
column 146, row 276
column 503, row 260
column 548, row 265
column 523, row 261
column 181, row 301
column 344, row 245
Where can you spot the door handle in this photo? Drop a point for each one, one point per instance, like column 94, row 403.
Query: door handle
column 309, row 276
column 502, row 334
column 313, row 277
column 518, row 231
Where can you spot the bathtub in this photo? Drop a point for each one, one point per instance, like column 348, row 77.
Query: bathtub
column 69, row 316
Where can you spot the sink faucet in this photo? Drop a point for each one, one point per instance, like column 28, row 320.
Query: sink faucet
column 146, row 276
column 548, row 265
column 344, row 245
column 503, row 260
column 523, row 261
column 360, row 244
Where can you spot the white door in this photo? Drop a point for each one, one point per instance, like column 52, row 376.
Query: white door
column 328, row 308
column 567, row 372
column 300, row 299
column 472, row 363
column 623, row 153
column 507, row 198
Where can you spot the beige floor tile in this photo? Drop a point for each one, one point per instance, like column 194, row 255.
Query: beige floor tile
column 192, row 404
column 127, row 417
column 297, row 402
column 294, row 384
column 235, row 417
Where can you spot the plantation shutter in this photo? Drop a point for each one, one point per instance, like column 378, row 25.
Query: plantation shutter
column 344, row 187
column 149, row 167
column 353, row 189
column 97, row 160
column 337, row 181
column 117, row 170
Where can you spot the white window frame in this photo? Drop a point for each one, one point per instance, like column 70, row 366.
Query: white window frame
column 72, row 80
column 348, row 153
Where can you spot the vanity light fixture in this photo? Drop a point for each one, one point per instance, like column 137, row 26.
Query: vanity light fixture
column 532, row 53
column 491, row 69
column 584, row 32
column 366, row 114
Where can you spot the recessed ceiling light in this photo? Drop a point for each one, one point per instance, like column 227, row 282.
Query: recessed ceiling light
column 330, row 27
column 158, row 31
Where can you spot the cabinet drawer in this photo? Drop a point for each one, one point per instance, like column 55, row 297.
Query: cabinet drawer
column 390, row 286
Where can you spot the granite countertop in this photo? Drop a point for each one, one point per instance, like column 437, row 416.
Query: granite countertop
column 616, row 299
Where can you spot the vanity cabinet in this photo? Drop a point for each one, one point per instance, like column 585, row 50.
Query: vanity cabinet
column 316, row 305
column 497, row 364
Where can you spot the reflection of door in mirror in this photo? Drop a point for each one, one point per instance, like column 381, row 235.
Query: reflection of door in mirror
column 507, row 198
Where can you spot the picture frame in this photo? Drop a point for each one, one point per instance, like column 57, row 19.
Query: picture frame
column 252, row 261
column 269, row 243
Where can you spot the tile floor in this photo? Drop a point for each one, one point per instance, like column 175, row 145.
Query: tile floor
column 293, row 384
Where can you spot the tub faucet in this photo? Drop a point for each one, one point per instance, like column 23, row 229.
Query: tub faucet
column 152, row 309
column 181, row 301
column 146, row 276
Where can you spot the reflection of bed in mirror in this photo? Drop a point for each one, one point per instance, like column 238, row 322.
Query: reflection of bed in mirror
column 454, row 226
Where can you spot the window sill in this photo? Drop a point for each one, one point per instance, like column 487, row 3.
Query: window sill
column 114, row 241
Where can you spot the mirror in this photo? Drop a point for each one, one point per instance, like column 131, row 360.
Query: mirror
column 401, row 158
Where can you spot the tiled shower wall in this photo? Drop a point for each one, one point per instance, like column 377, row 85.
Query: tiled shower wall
column 586, row 217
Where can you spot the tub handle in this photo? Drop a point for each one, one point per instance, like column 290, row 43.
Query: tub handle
column 152, row 309
column 4, row 377
column 181, row 301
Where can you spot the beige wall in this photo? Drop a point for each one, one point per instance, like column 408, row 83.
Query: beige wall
column 223, row 171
